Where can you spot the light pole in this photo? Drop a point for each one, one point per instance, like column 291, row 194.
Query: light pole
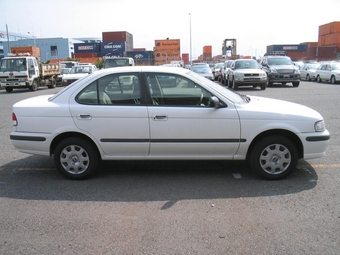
column 190, row 40
column 33, row 38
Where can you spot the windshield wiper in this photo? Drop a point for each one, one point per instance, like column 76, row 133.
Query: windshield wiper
column 245, row 98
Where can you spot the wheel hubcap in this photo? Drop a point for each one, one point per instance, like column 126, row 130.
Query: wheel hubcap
column 275, row 159
column 74, row 159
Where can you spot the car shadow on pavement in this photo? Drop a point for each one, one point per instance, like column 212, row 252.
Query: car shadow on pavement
column 139, row 181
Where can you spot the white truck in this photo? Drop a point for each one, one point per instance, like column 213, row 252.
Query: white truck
column 25, row 72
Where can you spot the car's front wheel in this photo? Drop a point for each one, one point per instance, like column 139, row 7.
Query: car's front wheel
column 76, row 158
column 318, row 79
column 333, row 80
column 235, row 85
column 296, row 84
column 274, row 157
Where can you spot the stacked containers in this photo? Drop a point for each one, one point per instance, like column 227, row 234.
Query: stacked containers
column 86, row 50
column 207, row 53
column 141, row 57
column 329, row 41
column 116, row 44
column 167, row 51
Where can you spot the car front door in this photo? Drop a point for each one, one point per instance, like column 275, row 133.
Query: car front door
column 113, row 115
column 185, row 124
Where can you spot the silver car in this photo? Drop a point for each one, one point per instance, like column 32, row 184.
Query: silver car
column 308, row 71
column 246, row 72
column 328, row 72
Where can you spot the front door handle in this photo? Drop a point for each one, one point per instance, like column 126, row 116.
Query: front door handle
column 160, row 117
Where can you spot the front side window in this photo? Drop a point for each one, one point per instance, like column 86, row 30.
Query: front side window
column 175, row 90
column 114, row 89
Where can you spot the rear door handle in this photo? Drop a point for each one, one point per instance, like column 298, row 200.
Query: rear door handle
column 84, row 116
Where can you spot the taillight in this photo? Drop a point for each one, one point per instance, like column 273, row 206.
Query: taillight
column 14, row 119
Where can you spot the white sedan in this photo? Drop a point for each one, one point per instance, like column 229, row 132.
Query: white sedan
column 91, row 120
column 78, row 72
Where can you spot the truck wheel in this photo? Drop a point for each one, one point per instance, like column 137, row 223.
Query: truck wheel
column 296, row 84
column 9, row 89
column 53, row 83
column 76, row 158
column 34, row 86
column 274, row 157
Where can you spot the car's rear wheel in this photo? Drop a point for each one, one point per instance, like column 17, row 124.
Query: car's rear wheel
column 76, row 158
column 274, row 157
column 307, row 77
column 333, row 80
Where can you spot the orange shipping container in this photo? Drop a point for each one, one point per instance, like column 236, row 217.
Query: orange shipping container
column 169, row 44
column 207, row 49
column 34, row 51
column 321, row 41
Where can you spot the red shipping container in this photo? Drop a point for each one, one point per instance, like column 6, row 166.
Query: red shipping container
column 117, row 37
column 85, row 55
column 207, row 49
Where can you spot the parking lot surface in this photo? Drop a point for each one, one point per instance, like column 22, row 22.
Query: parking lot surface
column 173, row 207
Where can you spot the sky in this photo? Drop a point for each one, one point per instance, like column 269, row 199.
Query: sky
column 254, row 24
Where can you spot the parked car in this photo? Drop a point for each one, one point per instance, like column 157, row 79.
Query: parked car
column 217, row 71
column 225, row 71
column 196, row 120
column 328, row 72
column 280, row 69
column 308, row 71
column 62, row 73
column 203, row 70
column 78, row 72
column 246, row 72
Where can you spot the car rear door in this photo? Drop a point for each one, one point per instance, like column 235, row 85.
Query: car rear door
column 114, row 116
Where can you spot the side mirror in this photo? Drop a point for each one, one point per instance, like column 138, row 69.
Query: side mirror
column 216, row 102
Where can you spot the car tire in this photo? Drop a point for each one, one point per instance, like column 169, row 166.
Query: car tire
column 263, row 86
column 333, row 80
column 318, row 79
column 76, row 158
column 235, row 85
column 307, row 77
column 34, row 86
column 296, row 84
column 9, row 89
column 274, row 157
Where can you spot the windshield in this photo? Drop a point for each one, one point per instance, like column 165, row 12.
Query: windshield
column 246, row 64
column 81, row 69
column 279, row 61
column 13, row 64
column 201, row 69
column 336, row 66
column 114, row 62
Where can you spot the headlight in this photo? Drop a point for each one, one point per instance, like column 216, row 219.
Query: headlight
column 273, row 70
column 319, row 126
column 263, row 74
column 239, row 74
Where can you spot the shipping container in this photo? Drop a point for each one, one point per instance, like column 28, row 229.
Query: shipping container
column 111, row 54
column 166, row 45
column 288, row 47
column 139, row 49
column 33, row 51
column 207, row 49
column 86, row 47
column 107, row 47
column 296, row 55
column 118, row 36
column 141, row 57
column 310, row 44
column 85, row 55
column 326, row 52
column 185, row 58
